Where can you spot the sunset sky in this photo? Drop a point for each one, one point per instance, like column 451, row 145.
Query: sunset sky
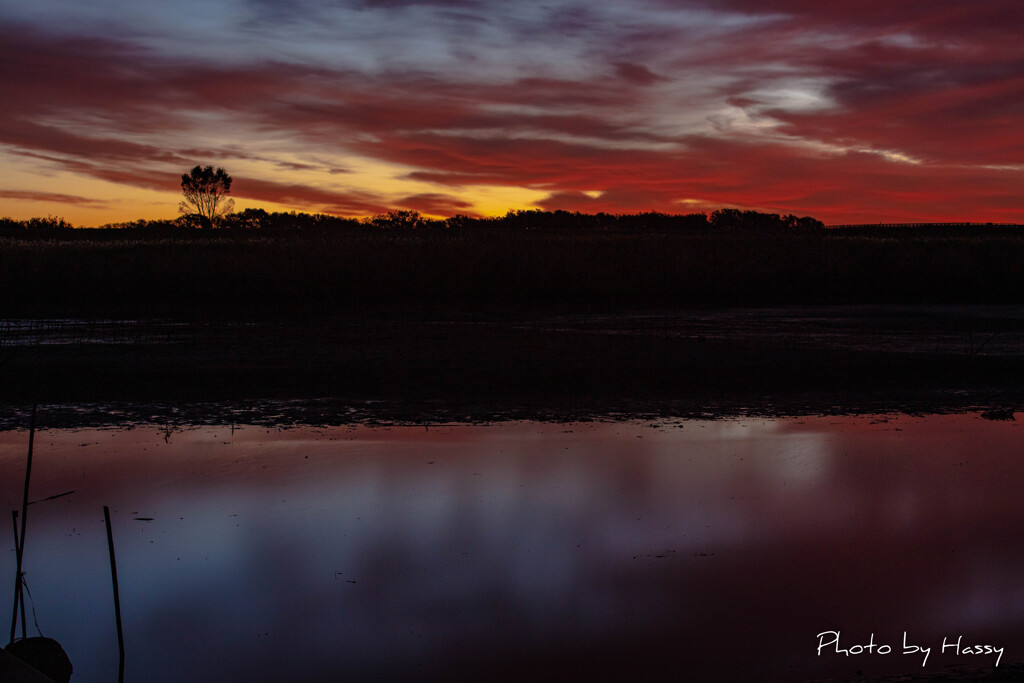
column 866, row 111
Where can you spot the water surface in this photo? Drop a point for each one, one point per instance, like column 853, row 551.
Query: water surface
column 675, row 549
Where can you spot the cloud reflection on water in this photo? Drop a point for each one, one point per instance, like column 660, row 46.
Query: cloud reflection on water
column 718, row 546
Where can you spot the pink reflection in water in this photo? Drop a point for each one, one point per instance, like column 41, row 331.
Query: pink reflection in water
column 597, row 550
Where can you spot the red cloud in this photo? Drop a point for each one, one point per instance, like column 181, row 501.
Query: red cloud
column 435, row 204
column 52, row 198
column 322, row 201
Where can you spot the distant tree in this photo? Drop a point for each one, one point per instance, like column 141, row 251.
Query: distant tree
column 460, row 221
column 249, row 219
column 802, row 224
column 206, row 193
column 403, row 219
column 733, row 219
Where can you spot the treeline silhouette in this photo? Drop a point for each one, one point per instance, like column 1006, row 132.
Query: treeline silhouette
column 258, row 220
column 283, row 263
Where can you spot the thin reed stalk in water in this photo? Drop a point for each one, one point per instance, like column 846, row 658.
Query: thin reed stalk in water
column 20, row 596
column 117, row 597
column 20, row 540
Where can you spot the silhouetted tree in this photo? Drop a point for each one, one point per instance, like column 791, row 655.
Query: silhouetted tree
column 460, row 221
column 249, row 219
column 802, row 224
column 735, row 219
column 206, row 193
column 400, row 219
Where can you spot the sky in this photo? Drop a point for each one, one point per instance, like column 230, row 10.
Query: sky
column 869, row 111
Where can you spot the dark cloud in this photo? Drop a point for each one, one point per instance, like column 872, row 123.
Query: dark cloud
column 637, row 74
column 923, row 105
column 58, row 141
column 435, row 204
column 412, row 3
column 314, row 199
column 53, row 198
column 957, row 17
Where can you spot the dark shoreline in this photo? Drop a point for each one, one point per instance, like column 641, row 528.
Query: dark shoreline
column 381, row 273
column 721, row 363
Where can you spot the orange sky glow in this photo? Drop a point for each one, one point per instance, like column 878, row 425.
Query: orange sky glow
column 874, row 112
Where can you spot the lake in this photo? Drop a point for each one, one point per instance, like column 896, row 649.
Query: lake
column 787, row 548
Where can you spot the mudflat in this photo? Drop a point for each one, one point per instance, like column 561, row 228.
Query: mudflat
column 463, row 365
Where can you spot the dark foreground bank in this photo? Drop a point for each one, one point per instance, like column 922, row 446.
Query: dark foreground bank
column 253, row 274
column 795, row 360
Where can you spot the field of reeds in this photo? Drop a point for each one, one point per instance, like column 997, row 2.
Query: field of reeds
column 535, row 312
column 239, row 273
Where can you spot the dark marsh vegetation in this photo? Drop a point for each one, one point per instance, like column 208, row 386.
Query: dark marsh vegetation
column 535, row 313
column 278, row 264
